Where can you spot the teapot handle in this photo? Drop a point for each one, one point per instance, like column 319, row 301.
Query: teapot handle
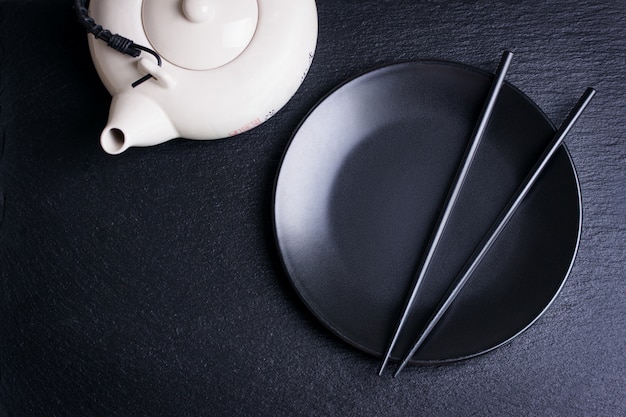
column 115, row 41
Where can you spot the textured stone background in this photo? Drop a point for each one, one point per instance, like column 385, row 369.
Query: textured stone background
column 148, row 283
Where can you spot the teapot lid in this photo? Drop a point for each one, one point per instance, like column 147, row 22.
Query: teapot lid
column 200, row 34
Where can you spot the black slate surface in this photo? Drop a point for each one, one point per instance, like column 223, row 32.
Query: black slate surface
column 148, row 284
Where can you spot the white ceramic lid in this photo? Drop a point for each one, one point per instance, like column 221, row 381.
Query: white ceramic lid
column 200, row 34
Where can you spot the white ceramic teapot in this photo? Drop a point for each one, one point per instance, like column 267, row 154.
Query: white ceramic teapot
column 227, row 66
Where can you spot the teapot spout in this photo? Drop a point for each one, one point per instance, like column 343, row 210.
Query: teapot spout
column 135, row 120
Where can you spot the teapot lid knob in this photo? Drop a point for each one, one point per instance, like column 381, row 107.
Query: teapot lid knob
column 199, row 11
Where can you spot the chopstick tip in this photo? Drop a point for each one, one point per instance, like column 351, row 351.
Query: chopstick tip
column 382, row 368
column 505, row 60
column 400, row 368
column 590, row 92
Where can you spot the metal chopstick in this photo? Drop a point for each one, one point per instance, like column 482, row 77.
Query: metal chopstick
column 500, row 223
column 453, row 194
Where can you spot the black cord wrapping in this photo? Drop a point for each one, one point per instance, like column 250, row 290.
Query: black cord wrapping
column 115, row 41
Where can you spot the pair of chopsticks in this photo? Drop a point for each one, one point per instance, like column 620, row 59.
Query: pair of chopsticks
column 497, row 227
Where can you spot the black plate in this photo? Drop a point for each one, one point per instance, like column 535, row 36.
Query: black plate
column 362, row 183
